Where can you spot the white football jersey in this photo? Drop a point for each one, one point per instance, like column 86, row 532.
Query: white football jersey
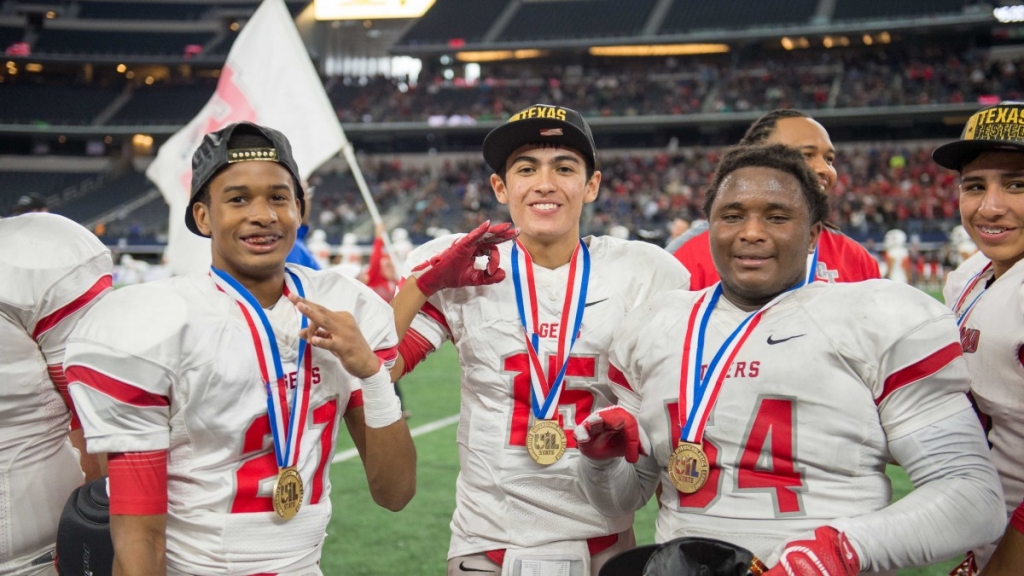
column 51, row 271
column 798, row 435
column 503, row 497
column 992, row 337
column 171, row 365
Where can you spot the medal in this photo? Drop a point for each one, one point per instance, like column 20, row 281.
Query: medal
column 287, row 424
column 546, row 442
column 688, row 468
column 688, row 465
column 287, row 493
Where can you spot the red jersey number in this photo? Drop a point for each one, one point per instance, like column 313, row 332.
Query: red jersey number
column 260, row 468
column 573, row 405
column 766, row 462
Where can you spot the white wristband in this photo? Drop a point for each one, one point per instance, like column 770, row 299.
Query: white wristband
column 381, row 406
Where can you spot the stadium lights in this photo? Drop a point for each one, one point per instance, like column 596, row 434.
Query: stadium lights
column 793, row 43
column 33, row 67
column 121, row 68
column 373, row 10
column 1009, row 13
column 495, row 55
column 658, row 50
column 142, row 144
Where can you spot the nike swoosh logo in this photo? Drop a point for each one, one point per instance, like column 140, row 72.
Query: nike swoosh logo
column 594, row 302
column 462, row 567
column 781, row 340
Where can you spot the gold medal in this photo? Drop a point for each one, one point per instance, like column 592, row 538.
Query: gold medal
column 546, row 442
column 688, row 468
column 287, row 493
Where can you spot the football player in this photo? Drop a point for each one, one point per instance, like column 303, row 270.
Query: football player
column 218, row 396
column 532, row 320
column 51, row 272
column 836, row 258
column 768, row 406
column 986, row 292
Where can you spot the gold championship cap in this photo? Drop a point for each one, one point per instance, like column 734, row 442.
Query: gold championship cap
column 999, row 127
column 539, row 124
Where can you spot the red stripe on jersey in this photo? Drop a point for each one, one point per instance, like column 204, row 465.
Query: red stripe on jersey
column 432, row 311
column 387, row 355
column 138, row 482
column 920, row 370
column 616, row 376
column 595, row 545
column 59, row 380
column 54, row 318
column 120, row 391
column 413, row 348
column 355, row 400
column 1017, row 520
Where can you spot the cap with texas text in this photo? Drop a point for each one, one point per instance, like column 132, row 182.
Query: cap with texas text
column 999, row 127
column 539, row 124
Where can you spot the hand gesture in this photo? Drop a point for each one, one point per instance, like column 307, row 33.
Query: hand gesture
column 610, row 432
column 456, row 267
column 338, row 333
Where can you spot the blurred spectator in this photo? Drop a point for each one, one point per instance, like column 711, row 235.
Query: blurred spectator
column 29, row 203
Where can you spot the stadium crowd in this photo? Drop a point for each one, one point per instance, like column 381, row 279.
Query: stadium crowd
column 813, row 80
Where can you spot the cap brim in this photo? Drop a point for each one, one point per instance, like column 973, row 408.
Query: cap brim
column 956, row 154
column 501, row 142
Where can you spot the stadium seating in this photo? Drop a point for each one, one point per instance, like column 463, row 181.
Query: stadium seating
column 564, row 19
column 690, row 15
column 119, row 42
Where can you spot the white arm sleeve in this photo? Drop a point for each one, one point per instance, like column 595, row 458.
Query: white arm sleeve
column 616, row 487
column 957, row 503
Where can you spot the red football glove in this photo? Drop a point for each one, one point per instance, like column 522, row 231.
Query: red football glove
column 829, row 554
column 610, row 432
column 454, row 267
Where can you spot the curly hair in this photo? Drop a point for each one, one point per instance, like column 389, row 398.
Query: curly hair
column 778, row 157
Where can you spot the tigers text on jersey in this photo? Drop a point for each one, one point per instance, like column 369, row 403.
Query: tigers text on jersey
column 840, row 259
column 171, row 365
column 798, row 436
column 51, row 271
column 503, row 497
column 992, row 336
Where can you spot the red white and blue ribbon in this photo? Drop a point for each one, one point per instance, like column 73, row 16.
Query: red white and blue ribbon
column 286, row 425
column 546, row 388
column 813, row 274
column 961, row 317
column 699, row 392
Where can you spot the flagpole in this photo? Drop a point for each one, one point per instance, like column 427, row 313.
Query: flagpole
column 348, row 152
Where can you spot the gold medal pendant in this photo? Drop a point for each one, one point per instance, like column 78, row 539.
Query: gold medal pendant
column 688, row 468
column 287, row 493
column 546, row 442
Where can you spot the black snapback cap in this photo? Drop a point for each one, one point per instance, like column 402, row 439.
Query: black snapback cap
column 213, row 155
column 999, row 127
column 539, row 124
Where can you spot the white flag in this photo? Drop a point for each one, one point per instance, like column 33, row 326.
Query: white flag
column 268, row 79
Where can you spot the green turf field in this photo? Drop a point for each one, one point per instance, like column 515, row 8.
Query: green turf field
column 366, row 540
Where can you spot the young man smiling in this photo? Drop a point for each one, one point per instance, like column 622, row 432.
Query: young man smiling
column 986, row 292
column 532, row 322
column 836, row 258
column 218, row 418
column 768, row 407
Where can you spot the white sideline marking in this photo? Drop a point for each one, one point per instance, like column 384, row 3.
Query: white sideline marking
column 417, row 431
